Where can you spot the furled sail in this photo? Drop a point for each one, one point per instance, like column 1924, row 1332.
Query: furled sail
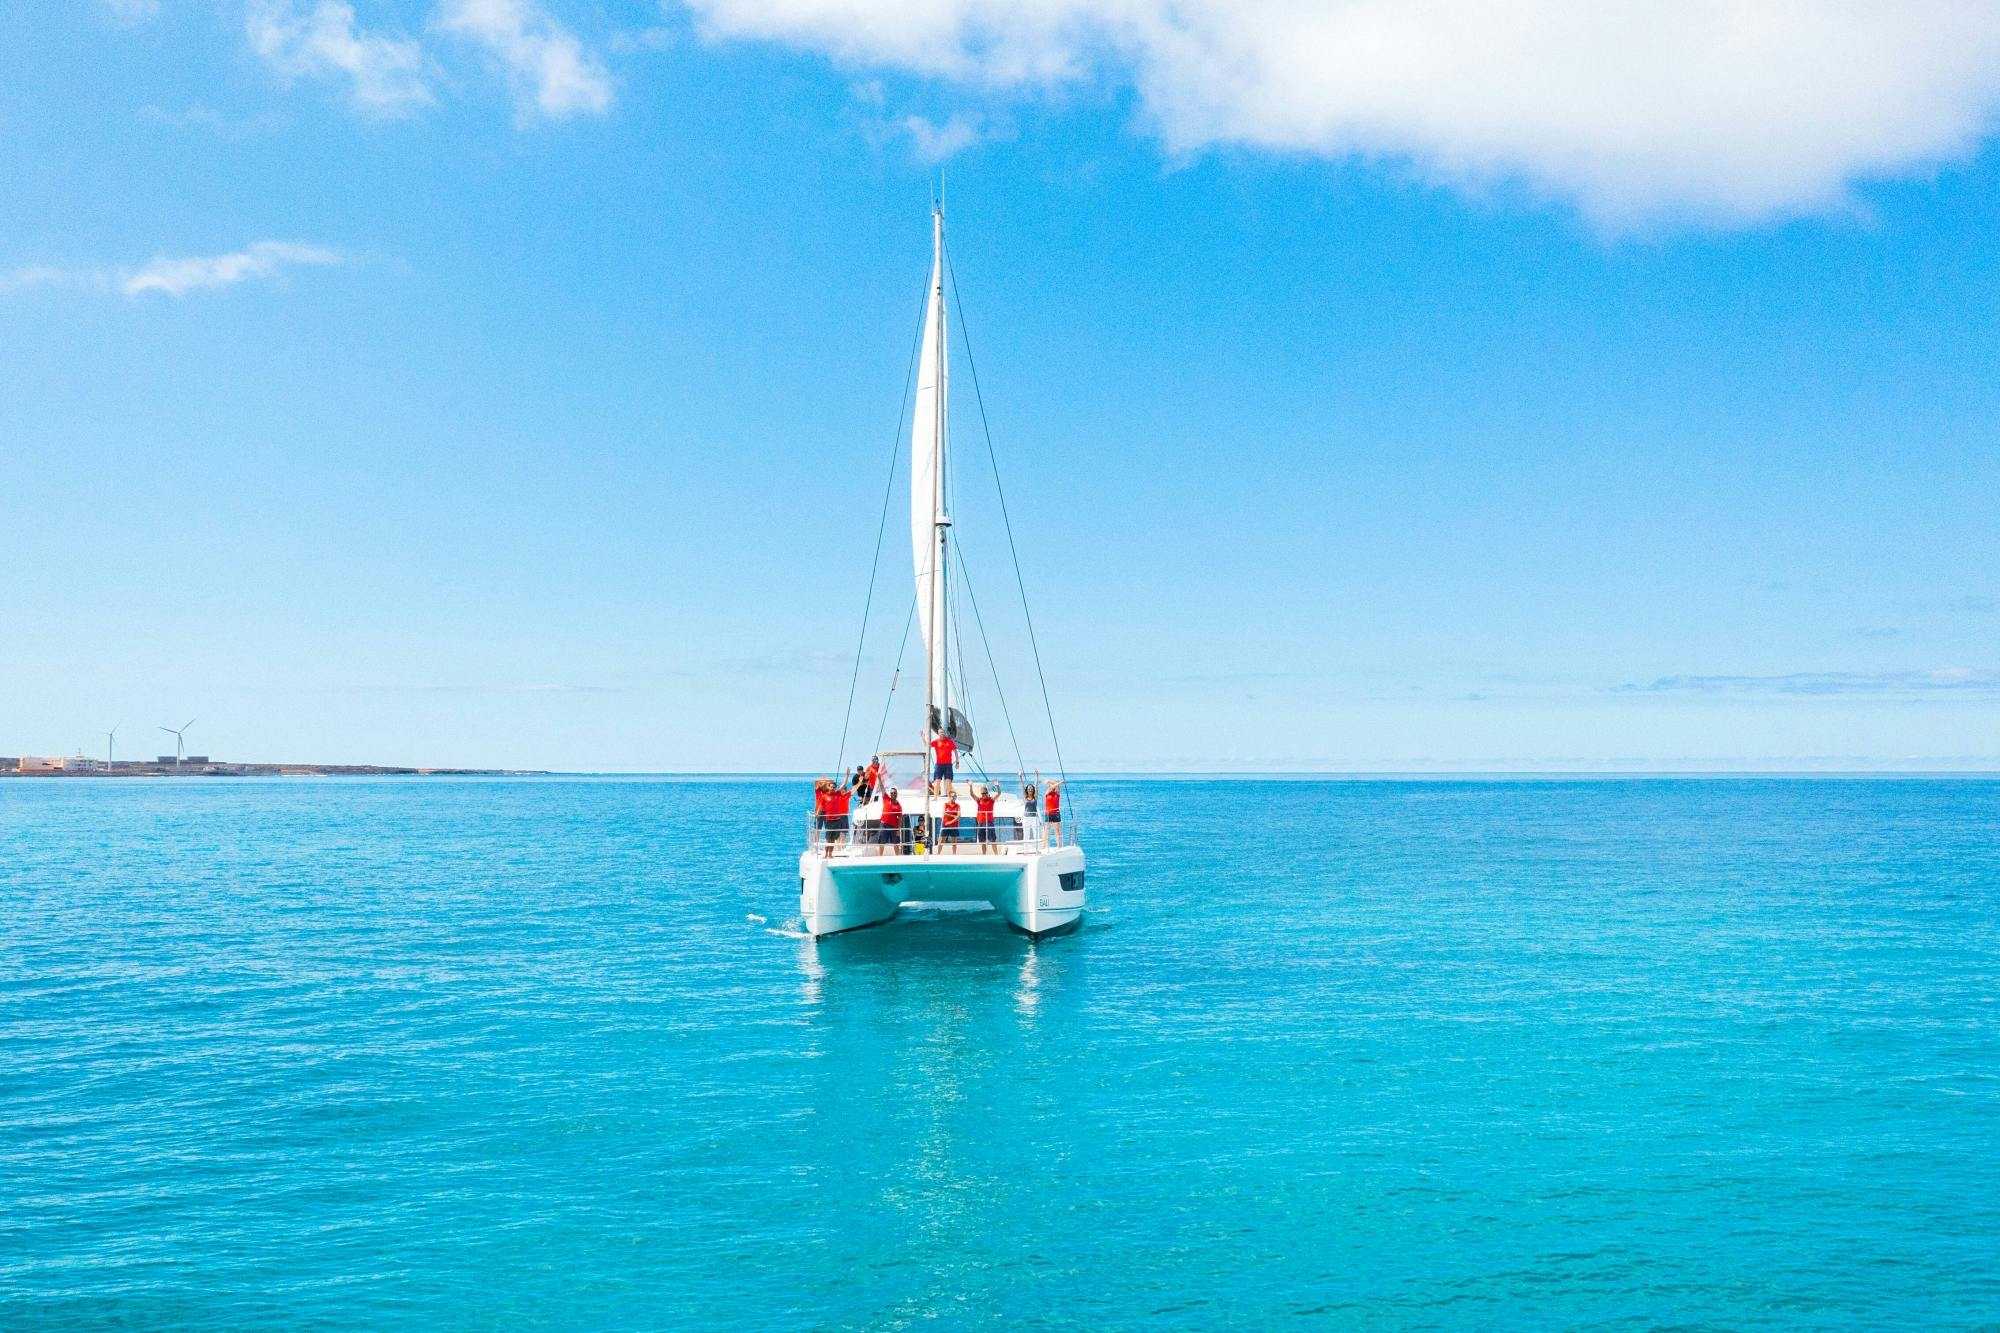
column 927, row 471
column 957, row 726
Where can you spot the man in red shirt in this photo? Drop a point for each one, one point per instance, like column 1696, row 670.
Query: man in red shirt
column 871, row 778
column 982, row 818
column 836, row 817
column 891, row 832
column 1052, row 812
column 944, row 751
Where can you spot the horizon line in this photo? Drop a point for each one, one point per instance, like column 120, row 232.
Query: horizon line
column 807, row 775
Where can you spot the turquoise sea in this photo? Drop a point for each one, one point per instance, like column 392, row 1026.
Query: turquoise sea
column 495, row 1053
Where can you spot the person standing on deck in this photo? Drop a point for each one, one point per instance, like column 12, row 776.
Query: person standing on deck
column 871, row 777
column 948, row 822
column 982, row 819
column 944, row 753
column 836, row 817
column 1052, row 812
column 821, row 788
column 890, row 834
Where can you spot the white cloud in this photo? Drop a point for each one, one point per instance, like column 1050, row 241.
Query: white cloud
column 1957, row 680
column 48, row 275
column 933, row 142
column 1726, row 111
column 132, row 11
column 645, row 41
column 208, row 120
column 387, row 72
column 265, row 259
column 551, row 71
column 178, row 277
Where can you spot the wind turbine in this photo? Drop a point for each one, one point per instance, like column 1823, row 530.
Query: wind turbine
column 110, row 749
column 180, row 739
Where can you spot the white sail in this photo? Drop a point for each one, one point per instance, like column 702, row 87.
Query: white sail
column 927, row 475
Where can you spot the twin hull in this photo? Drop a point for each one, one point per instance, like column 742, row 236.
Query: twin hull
column 1039, row 892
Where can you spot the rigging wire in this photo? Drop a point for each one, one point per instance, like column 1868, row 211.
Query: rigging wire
column 1020, row 769
column 965, row 337
column 896, row 678
column 882, row 527
column 964, row 676
column 965, row 696
column 957, row 625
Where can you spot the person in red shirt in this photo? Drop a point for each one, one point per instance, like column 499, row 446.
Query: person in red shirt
column 1052, row 812
column 871, row 778
column 948, row 822
column 944, row 753
column 836, row 817
column 890, row 833
column 820, row 789
column 982, row 818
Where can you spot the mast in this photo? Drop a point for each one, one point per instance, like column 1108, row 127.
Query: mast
column 940, row 674
column 930, row 525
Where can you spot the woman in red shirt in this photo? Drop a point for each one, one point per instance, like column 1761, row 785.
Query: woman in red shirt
column 1052, row 813
column 948, row 822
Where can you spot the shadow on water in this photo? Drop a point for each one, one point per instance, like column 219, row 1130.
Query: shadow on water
column 941, row 965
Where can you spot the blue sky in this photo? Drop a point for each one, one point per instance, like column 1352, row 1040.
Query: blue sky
column 507, row 383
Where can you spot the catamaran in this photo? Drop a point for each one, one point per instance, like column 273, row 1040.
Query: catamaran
column 1005, row 852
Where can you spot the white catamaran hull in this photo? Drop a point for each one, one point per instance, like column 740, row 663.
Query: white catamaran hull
column 1039, row 892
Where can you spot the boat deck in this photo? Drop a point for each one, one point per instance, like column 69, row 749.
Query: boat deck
column 1016, row 832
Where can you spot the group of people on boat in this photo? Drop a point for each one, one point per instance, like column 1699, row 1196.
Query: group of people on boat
column 834, row 805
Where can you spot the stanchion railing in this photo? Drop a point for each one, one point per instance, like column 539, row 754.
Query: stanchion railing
column 926, row 835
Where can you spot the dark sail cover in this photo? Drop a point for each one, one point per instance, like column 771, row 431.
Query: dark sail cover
column 959, row 728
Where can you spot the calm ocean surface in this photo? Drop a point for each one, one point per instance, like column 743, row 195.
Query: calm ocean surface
column 481, row 1053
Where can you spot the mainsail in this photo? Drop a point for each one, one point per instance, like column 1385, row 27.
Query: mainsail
column 927, row 444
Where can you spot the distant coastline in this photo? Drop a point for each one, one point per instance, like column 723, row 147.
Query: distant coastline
column 74, row 766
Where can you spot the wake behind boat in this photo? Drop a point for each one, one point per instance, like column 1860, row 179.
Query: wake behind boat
column 932, row 824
